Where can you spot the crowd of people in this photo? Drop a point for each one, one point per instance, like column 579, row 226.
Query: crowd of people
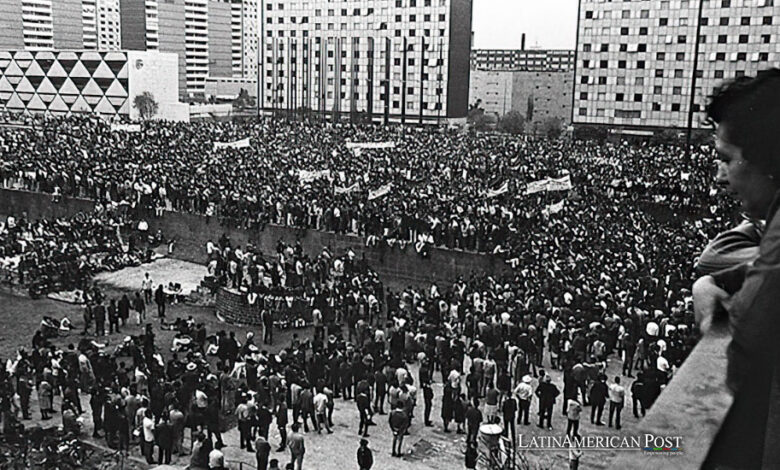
column 600, row 270
column 63, row 254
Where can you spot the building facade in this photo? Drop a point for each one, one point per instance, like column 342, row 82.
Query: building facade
column 37, row 25
column 518, row 59
column 639, row 63
column 101, row 83
column 214, row 38
column 537, row 95
column 401, row 60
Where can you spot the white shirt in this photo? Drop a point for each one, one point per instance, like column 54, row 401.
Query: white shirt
column 148, row 425
column 617, row 393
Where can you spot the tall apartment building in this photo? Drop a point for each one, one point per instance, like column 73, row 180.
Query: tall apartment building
column 518, row 59
column 404, row 60
column 637, row 61
column 38, row 25
column 211, row 37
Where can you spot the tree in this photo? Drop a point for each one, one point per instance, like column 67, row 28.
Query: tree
column 477, row 118
column 551, row 127
column 146, row 105
column 243, row 101
column 512, row 122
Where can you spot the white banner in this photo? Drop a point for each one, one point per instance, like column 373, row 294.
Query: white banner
column 239, row 144
column 307, row 176
column 536, row 187
column 347, row 190
column 553, row 208
column 116, row 127
column 499, row 191
column 379, row 192
column 559, row 184
column 370, row 145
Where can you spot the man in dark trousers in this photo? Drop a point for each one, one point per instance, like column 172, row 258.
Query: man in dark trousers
column 262, row 452
column 264, row 418
column 365, row 458
column 163, row 434
column 24, row 389
column 509, row 411
column 281, row 423
column 364, row 408
column 380, row 379
column 99, row 313
column 473, row 420
column 546, row 392
column 428, row 399
column 598, row 398
column 97, row 402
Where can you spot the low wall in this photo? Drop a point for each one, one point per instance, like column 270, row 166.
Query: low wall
column 232, row 307
column 395, row 266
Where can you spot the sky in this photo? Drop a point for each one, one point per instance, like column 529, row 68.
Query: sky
column 547, row 24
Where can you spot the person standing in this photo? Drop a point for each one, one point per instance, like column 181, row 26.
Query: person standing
column 297, row 447
column 575, row 454
column 524, row 392
column 364, row 409
column 113, row 317
column 399, row 422
column 159, row 299
column 24, row 389
column 598, row 398
column 617, row 397
column 473, row 421
column 146, row 287
column 365, row 458
column 281, row 423
column 546, row 392
column 262, row 452
column 509, row 410
column 244, row 425
column 177, row 424
column 140, row 308
column 321, row 412
column 164, row 438
column 573, row 411
column 97, row 402
column 471, row 455
column 99, row 312
column 428, row 400
column 147, row 436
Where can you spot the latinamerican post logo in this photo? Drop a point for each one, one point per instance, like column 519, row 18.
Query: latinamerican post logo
column 648, row 443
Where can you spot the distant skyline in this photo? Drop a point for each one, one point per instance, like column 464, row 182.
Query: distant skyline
column 547, row 24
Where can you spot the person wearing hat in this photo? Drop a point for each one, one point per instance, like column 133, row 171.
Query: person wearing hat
column 365, row 458
column 524, row 392
column 546, row 392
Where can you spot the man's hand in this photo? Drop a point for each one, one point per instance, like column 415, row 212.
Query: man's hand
column 708, row 299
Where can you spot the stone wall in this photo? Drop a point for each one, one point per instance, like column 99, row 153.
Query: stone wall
column 232, row 307
column 395, row 266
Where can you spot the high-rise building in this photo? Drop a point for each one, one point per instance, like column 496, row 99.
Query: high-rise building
column 639, row 63
column 535, row 60
column 37, row 25
column 404, row 60
column 211, row 37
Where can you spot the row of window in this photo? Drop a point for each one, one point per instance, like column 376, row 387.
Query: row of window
column 640, row 64
column 636, row 113
column 427, row 17
column 344, row 27
column 398, row 4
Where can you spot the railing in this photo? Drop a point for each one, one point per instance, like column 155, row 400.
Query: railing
column 238, row 465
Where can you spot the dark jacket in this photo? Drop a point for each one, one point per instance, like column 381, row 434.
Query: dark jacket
column 365, row 458
column 546, row 392
column 163, row 435
column 598, row 393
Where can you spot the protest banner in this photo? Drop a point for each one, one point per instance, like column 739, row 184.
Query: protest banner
column 121, row 127
column 243, row 143
column 370, row 145
column 559, row 184
column 346, row 190
column 498, row 191
column 380, row 191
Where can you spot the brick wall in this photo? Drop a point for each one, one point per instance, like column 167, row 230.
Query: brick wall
column 395, row 266
column 233, row 308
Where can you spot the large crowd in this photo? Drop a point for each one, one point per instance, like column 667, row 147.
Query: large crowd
column 601, row 268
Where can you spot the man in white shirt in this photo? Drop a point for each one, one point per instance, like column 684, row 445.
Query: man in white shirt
column 146, row 286
column 524, row 392
column 321, row 412
column 617, row 397
column 148, row 436
column 217, row 458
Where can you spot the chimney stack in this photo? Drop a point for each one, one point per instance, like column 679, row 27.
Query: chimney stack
column 522, row 42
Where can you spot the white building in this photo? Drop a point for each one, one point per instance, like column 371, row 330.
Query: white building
column 635, row 60
column 403, row 60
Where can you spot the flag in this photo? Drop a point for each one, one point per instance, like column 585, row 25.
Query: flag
column 499, row 191
column 379, row 192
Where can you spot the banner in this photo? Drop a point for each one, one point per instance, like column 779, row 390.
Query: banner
column 346, row 190
column 499, row 191
column 239, row 144
column 370, row 145
column 116, row 127
column 536, row 187
column 553, row 208
column 559, row 184
column 379, row 192
column 306, row 176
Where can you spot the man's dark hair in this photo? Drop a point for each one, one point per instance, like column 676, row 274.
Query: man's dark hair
column 750, row 106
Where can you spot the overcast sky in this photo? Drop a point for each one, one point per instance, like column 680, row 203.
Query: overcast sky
column 547, row 24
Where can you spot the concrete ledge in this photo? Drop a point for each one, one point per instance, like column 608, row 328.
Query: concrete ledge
column 694, row 405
